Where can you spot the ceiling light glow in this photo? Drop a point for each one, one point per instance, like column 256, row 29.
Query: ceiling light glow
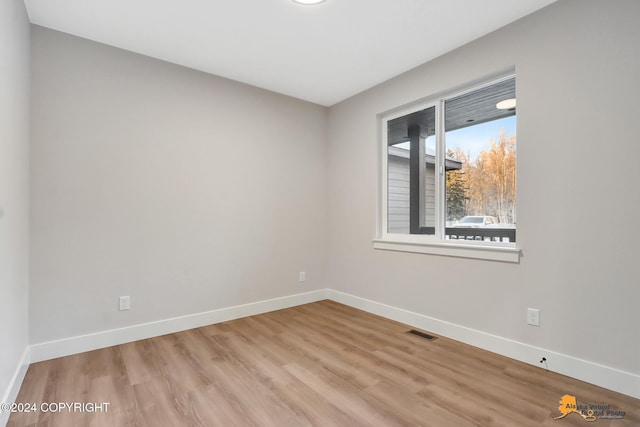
column 309, row 2
column 506, row 104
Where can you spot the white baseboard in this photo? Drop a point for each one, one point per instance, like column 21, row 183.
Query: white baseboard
column 79, row 344
column 594, row 373
column 11, row 393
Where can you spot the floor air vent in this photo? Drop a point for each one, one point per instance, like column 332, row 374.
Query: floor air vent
column 422, row 335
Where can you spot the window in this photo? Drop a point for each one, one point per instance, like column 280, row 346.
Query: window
column 449, row 175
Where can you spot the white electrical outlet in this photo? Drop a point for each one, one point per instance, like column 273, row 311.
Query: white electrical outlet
column 125, row 303
column 533, row 316
column 303, row 276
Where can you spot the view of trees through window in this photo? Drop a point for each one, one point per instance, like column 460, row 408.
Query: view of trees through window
column 486, row 182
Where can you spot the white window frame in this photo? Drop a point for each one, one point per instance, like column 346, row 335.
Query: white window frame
column 433, row 244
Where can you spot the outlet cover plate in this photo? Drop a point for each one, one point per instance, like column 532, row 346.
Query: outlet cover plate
column 125, row 303
column 533, row 316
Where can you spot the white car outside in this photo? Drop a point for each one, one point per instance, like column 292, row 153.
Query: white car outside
column 477, row 221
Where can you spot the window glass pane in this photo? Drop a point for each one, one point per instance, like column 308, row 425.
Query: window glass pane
column 480, row 162
column 411, row 159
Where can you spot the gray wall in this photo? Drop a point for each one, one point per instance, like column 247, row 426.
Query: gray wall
column 186, row 191
column 577, row 65
column 14, row 196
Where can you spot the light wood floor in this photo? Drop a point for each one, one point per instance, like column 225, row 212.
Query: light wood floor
column 320, row 364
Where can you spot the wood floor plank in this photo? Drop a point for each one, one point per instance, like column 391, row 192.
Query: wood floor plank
column 320, row 364
column 259, row 403
column 33, row 389
column 212, row 407
column 115, row 390
column 141, row 361
column 333, row 361
column 159, row 401
column 482, row 411
column 422, row 411
column 344, row 396
column 312, row 406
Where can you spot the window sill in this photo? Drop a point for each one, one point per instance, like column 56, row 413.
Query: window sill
column 466, row 250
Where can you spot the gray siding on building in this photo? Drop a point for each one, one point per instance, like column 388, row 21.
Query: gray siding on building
column 398, row 195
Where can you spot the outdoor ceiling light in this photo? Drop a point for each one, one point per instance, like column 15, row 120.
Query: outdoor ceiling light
column 506, row 104
column 308, row 1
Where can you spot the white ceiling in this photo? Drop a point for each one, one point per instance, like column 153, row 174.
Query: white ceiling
column 323, row 54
